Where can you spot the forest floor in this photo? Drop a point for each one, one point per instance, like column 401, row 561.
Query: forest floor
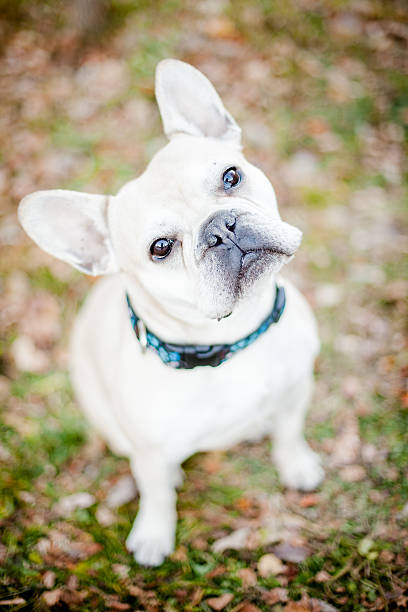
column 321, row 92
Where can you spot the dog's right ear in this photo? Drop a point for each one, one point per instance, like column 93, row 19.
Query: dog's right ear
column 189, row 104
column 72, row 226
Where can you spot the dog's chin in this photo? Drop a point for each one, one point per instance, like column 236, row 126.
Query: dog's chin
column 223, row 294
column 256, row 266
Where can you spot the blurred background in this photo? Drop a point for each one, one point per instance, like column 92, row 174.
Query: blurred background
column 320, row 88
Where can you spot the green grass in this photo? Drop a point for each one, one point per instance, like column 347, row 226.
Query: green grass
column 354, row 531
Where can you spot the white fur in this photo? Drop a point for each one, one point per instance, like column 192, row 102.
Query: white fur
column 147, row 411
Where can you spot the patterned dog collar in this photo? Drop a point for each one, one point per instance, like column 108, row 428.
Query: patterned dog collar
column 189, row 356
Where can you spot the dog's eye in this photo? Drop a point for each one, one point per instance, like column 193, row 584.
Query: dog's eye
column 231, row 178
column 161, row 248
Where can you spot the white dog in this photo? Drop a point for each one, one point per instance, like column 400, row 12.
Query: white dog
column 191, row 251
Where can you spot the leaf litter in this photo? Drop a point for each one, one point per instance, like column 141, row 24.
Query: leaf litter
column 325, row 117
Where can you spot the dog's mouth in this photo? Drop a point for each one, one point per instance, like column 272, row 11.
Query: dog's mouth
column 252, row 257
column 232, row 261
column 254, row 264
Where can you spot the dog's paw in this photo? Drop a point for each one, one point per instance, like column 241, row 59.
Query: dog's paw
column 299, row 468
column 149, row 546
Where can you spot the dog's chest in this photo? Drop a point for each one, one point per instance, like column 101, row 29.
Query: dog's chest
column 185, row 411
column 206, row 408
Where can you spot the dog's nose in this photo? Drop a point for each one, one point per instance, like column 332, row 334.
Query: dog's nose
column 220, row 227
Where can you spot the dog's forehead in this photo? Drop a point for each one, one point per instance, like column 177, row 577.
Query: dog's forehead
column 186, row 158
column 187, row 168
column 184, row 182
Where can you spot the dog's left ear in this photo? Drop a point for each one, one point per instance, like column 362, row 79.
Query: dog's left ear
column 72, row 226
column 189, row 104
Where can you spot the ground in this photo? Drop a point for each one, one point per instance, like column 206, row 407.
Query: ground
column 321, row 92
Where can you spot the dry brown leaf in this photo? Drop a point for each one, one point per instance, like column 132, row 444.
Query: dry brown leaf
column 147, row 598
column 296, row 606
column 322, row 576
column 180, row 554
column 119, row 605
column 66, row 543
column 247, row 607
column 308, row 500
column 221, row 27
column 247, row 576
column 217, row 571
column 198, row 594
column 48, row 579
column 52, row 597
column 219, row 603
column 276, row 595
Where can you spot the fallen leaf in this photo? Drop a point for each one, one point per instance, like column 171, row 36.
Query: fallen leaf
column 270, row 565
column 48, row 579
column 67, row 505
column 122, row 492
column 287, row 552
column 276, row 595
column 308, row 500
column 234, row 541
column 221, row 27
column 105, row 516
column 66, row 543
column 248, row 577
column 387, row 556
column 219, row 603
column 52, row 597
column 198, row 594
column 72, row 597
column 212, row 463
column 296, row 606
column 217, row 571
column 27, row 357
column 322, row 576
column 180, row 554
column 146, row 598
column 247, row 607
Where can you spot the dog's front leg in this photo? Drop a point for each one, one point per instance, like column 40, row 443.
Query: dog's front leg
column 152, row 536
column 299, row 467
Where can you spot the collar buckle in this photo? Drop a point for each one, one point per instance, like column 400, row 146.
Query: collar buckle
column 141, row 334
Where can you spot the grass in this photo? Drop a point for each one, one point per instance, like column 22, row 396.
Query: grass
column 353, row 533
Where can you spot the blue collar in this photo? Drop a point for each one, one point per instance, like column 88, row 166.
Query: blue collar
column 189, row 356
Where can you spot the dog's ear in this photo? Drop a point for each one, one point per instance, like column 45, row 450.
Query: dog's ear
column 71, row 226
column 189, row 104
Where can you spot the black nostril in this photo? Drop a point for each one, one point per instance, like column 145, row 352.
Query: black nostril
column 214, row 240
column 230, row 223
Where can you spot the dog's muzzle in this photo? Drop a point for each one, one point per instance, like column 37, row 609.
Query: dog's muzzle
column 239, row 237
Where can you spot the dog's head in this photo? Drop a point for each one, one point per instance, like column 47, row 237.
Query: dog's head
column 197, row 229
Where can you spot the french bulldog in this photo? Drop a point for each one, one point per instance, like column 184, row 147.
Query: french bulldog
column 186, row 344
